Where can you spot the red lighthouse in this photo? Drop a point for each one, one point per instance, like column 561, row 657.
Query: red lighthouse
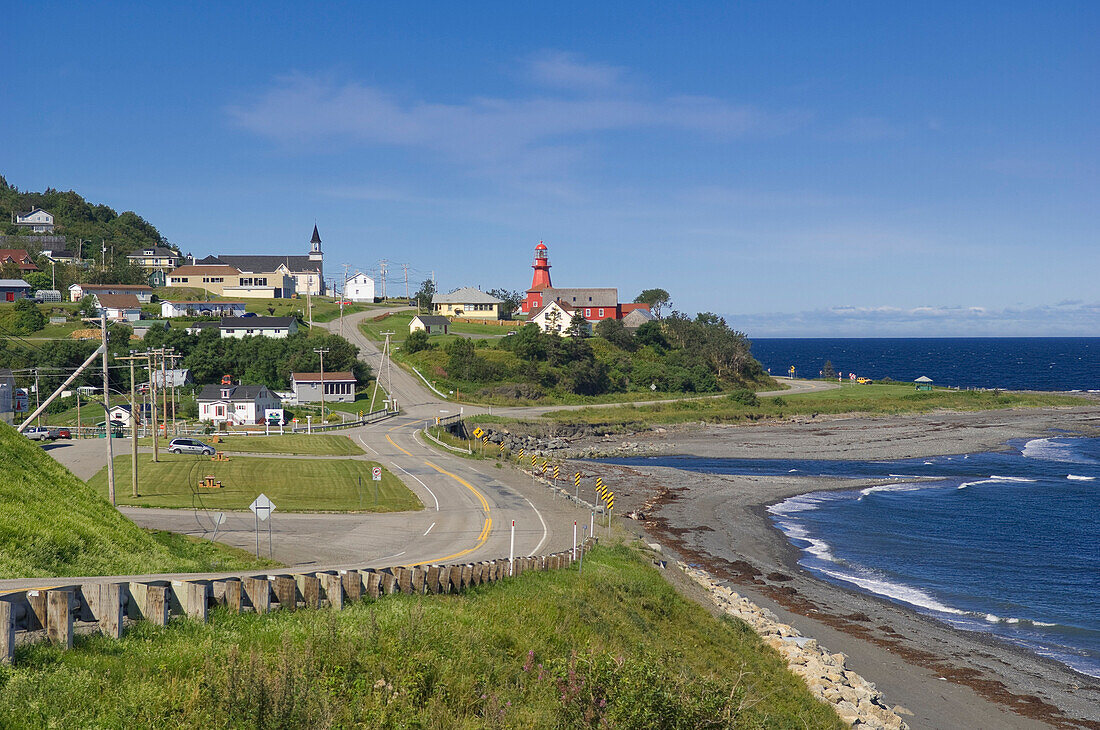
column 540, row 280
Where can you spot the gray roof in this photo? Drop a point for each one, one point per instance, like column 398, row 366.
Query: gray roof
column 157, row 251
column 923, row 379
column 638, row 317
column 263, row 264
column 256, row 322
column 14, row 284
column 236, row 392
column 581, row 297
column 465, row 295
column 204, row 325
column 431, row 319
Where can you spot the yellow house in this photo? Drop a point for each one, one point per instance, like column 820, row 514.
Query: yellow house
column 221, row 280
column 467, row 302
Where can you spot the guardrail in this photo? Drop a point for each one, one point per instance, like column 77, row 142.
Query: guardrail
column 108, row 606
column 446, row 446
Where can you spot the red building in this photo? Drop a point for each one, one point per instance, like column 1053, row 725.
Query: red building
column 595, row 303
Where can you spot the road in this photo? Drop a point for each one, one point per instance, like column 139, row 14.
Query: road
column 469, row 505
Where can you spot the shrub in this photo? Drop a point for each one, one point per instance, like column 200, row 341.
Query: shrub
column 744, row 396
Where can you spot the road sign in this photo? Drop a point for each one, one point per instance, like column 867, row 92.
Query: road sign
column 219, row 519
column 502, row 448
column 577, row 479
column 556, row 471
column 262, row 506
column 478, row 432
column 376, row 473
column 520, row 453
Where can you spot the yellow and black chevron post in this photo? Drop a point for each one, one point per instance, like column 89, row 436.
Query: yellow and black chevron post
column 533, row 459
column 557, row 471
column 502, row 447
column 520, row 455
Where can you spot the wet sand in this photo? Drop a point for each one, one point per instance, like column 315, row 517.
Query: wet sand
column 946, row 677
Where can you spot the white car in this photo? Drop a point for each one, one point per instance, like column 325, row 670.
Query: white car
column 190, row 446
column 37, row 433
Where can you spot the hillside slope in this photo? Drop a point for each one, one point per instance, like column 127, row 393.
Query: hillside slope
column 52, row 524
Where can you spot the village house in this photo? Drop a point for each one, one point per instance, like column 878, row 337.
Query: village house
column 123, row 416
column 14, row 289
column 285, row 275
column 236, row 404
column 38, row 220
column 554, row 317
column 19, row 257
column 338, row 387
column 119, row 307
column 178, row 308
column 595, row 303
column 638, row 316
column 359, row 288
column 467, row 302
column 275, row 327
column 433, row 324
column 143, row 292
column 155, row 258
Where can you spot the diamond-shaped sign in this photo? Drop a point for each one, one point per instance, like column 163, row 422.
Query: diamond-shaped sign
column 262, row 506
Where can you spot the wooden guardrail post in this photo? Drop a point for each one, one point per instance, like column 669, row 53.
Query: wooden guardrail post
column 353, row 585
column 191, row 596
column 431, row 579
column 106, row 605
column 59, row 617
column 36, row 616
column 7, row 632
column 417, row 580
column 232, row 595
column 372, row 582
column 258, row 590
column 404, row 579
column 149, row 602
column 286, row 592
column 310, row 587
column 334, row 589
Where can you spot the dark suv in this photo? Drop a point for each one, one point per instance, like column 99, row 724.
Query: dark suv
column 190, row 446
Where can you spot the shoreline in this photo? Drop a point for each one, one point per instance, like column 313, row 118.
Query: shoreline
column 947, row 677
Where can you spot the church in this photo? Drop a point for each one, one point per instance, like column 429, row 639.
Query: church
column 306, row 271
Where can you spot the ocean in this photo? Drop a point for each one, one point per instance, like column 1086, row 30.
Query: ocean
column 1004, row 542
column 1011, row 363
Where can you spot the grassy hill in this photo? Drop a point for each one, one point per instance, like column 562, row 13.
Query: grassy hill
column 616, row 647
column 52, row 524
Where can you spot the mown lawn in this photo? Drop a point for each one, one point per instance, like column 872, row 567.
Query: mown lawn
column 291, row 443
column 52, row 524
column 294, row 485
column 616, row 648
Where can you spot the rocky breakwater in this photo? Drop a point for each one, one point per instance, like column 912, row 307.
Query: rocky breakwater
column 566, row 446
column 856, row 700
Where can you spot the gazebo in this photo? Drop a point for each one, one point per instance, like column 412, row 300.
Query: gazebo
column 923, row 383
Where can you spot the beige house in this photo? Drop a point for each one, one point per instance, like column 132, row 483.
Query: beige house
column 228, row 281
column 433, row 324
column 155, row 258
column 467, row 302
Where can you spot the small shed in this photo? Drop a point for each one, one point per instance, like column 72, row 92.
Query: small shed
column 433, row 324
column 923, row 383
column 14, row 289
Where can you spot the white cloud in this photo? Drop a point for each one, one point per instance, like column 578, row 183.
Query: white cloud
column 301, row 109
column 564, row 70
column 1062, row 319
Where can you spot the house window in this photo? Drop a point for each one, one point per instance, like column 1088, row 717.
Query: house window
column 587, row 313
column 601, row 313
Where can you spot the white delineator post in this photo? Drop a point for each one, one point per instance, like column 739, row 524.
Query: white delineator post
column 592, row 522
column 574, row 539
column 512, row 550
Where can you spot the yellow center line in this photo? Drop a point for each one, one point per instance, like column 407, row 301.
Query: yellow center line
column 486, row 528
column 407, row 453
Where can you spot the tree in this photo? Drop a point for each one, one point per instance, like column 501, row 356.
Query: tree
column 424, row 295
column 510, row 301
column 417, row 341
column 649, row 334
column 655, row 298
column 613, row 331
column 88, row 306
column 28, row 317
column 578, row 327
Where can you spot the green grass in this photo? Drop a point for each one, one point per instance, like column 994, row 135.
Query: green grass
column 478, row 328
column 872, row 399
column 52, row 524
column 617, row 648
column 298, row 443
column 361, row 402
column 294, row 485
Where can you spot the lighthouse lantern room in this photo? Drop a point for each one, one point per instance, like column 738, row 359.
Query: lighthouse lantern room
column 540, row 280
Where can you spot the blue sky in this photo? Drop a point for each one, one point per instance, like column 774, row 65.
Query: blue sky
column 805, row 169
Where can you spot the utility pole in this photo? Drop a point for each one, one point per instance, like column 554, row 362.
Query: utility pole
column 309, row 305
column 321, row 351
column 343, row 296
column 382, row 267
column 150, row 356
column 107, row 413
column 406, row 268
column 37, row 397
column 133, row 420
column 381, row 365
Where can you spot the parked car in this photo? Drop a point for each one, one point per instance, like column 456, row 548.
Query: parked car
column 37, row 433
column 190, row 446
column 60, row 433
